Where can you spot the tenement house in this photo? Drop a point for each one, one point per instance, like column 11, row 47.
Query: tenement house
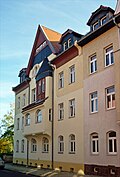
column 67, row 105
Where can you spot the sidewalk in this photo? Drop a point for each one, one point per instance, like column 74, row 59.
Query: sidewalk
column 40, row 172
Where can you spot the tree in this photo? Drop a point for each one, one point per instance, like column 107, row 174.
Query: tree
column 7, row 127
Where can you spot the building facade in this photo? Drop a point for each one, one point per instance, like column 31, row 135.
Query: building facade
column 67, row 105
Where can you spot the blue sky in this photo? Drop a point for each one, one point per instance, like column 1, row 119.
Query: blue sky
column 19, row 20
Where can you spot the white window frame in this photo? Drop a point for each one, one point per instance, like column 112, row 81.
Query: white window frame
column 60, row 144
column 22, row 123
column 33, row 145
column 22, row 145
column 64, row 46
column 17, row 146
column 61, row 80
column 93, row 64
column 72, row 144
column 94, row 142
column 39, row 116
column 33, row 95
column 101, row 21
column 110, row 55
column 24, row 99
column 72, row 108
column 27, row 119
column 60, row 111
column 94, row 102
column 45, row 145
column 72, row 74
column 96, row 23
column 111, row 95
column 18, row 102
column 69, row 42
column 113, row 140
column 18, row 123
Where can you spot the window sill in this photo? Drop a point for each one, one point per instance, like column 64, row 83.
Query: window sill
column 109, row 65
column 60, row 152
column 71, row 117
column 71, row 152
column 112, row 154
column 108, row 109
column 45, row 152
column 93, row 73
column 70, row 83
column 93, row 112
column 94, row 154
column 60, row 119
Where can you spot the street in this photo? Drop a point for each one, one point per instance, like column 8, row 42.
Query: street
column 7, row 173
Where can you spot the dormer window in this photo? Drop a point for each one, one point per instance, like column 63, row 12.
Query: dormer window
column 103, row 20
column 95, row 25
column 65, row 46
column 69, row 42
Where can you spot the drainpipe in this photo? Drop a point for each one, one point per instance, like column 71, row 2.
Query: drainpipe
column 114, row 21
column 52, row 133
column 27, row 153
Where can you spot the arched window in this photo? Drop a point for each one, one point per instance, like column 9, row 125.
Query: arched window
column 27, row 119
column 33, row 145
column 39, row 116
column 17, row 146
column 94, row 143
column 22, row 145
column 45, row 145
column 112, row 142
column 60, row 144
column 72, row 143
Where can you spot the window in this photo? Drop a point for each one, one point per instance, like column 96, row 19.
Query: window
column 28, row 119
column 50, row 114
column 18, row 102
column 72, row 74
column 65, row 46
column 18, row 123
column 110, row 97
column 93, row 64
column 22, row 145
column 17, row 146
column 60, row 144
column 22, row 123
column 33, row 95
column 45, row 145
column 69, row 42
column 112, row 143
column 41, row 86
column 39, row 116
column 72, row 107
column 94, row 144
column 93, row 102
column 61, row 80
column 33, row 145
column 109, row 58
column 24, row 99
column 61, row 111
column 103, row 20
column 95, row 25
column 72, row 143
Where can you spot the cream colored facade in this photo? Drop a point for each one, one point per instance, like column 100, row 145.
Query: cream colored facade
column 69, row 125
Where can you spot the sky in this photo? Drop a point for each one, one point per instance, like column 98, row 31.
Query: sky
column 19, row 20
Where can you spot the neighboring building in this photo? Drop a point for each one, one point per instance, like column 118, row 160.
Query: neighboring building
column 67, row 105
column 101, row 70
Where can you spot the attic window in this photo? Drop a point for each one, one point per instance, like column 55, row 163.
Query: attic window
column 69, row 42
column 95, row 25
column 65, row 46
column 103, row 20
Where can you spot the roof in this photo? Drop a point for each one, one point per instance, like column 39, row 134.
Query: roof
column 51, row 34
column 101, row 8
column 52, row 37
column 69, row 31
